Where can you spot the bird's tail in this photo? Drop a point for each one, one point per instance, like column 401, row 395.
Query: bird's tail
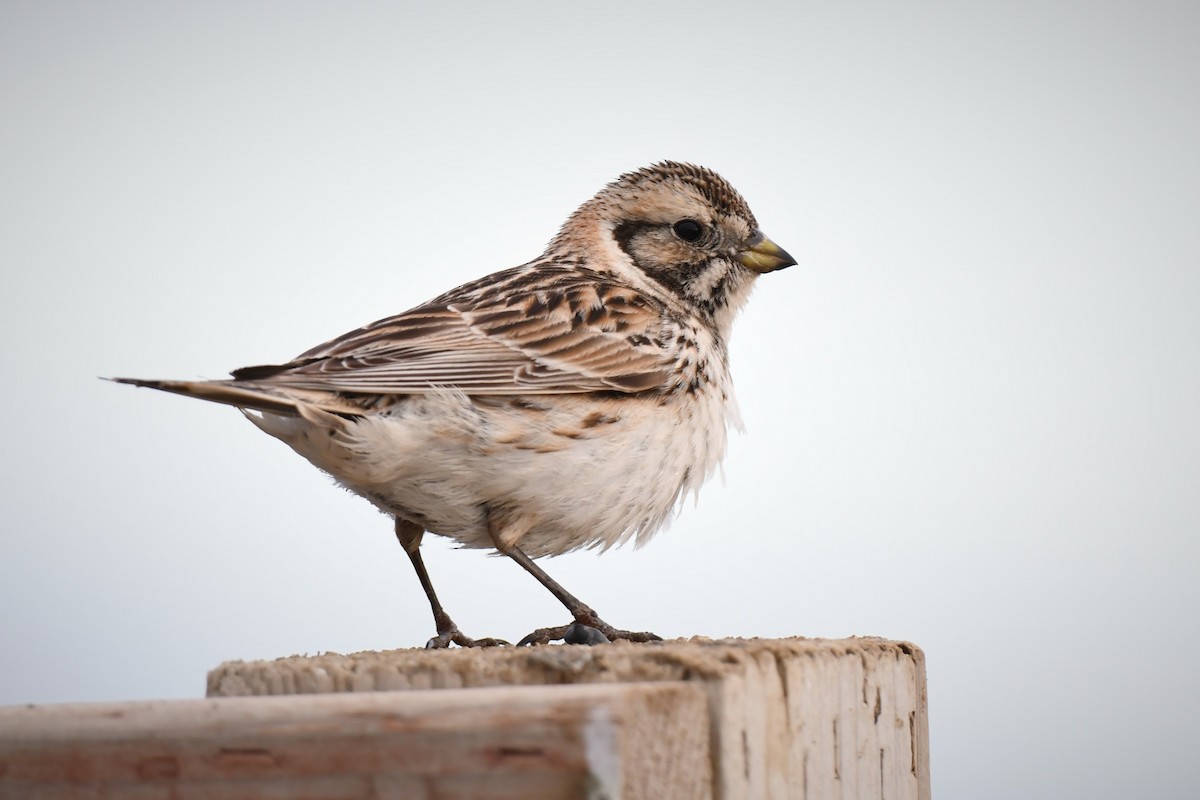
column 231, row 393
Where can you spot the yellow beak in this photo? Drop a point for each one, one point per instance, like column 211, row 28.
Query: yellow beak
column 763, row 255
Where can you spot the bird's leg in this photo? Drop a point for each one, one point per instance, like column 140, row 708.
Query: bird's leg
column 409, row 536
column 588, row 628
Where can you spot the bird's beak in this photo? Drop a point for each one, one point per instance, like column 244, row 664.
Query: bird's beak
column 763, row 255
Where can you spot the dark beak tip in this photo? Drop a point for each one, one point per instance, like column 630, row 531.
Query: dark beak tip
column 762, row 255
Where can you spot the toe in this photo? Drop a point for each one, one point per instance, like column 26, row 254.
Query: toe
column 488, row 642
column 634, row 636
column 543, row 636
column 453, row 635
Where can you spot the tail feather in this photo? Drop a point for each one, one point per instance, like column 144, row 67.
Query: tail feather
column 227, row 392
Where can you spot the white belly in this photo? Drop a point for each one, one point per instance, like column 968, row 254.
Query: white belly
column 554, row 473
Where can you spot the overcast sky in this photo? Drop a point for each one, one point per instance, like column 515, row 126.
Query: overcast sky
column 971, row 409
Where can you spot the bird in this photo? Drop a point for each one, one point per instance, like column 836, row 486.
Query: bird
column 571, row 402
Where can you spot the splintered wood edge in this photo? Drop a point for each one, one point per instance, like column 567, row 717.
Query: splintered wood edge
column 576, row 741
column 698, row 658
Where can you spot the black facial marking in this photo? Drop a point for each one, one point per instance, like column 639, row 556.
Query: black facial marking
column 677, row 277
column 626, row 231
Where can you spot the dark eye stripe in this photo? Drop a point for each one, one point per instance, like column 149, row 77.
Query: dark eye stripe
column 681, row 278
column 625, row 232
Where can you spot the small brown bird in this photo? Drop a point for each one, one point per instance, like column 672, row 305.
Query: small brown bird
column 567, row 403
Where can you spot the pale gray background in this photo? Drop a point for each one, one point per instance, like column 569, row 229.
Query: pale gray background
column 971, row 409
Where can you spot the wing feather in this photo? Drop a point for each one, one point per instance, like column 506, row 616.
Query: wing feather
column 571, row 331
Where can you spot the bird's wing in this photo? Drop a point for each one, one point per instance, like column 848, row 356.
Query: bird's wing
column 544, row 331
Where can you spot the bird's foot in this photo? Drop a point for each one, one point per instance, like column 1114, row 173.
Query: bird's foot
column 445, row 637
column 594, row 631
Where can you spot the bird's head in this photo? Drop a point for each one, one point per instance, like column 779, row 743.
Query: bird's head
column 683, row 227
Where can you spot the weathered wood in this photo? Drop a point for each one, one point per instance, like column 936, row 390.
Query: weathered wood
column 790, row 718
column 602, row 741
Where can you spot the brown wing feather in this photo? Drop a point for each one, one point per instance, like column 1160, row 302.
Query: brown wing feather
column 569, row 331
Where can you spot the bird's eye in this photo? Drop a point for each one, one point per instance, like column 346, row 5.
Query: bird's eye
column 689, row 230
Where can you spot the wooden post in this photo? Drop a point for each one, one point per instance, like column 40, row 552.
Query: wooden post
column 789, row 718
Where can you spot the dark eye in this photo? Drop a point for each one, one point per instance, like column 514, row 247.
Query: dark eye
column 689, row 230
